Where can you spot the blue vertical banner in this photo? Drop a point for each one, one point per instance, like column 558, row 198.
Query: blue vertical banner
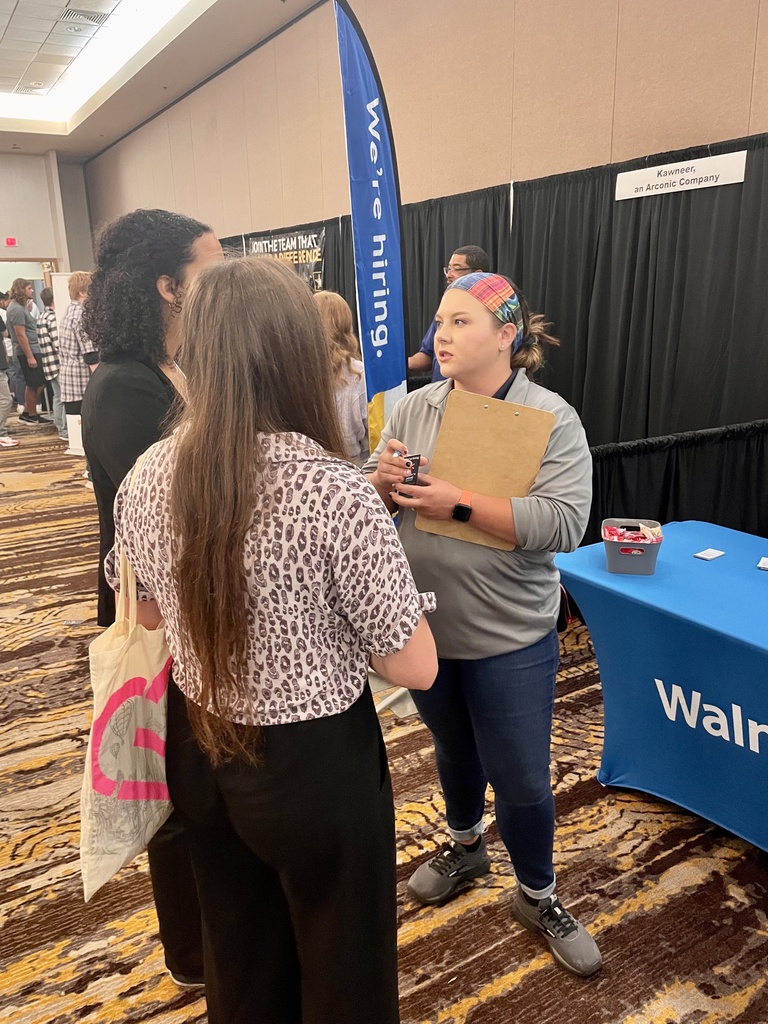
column 375, row 195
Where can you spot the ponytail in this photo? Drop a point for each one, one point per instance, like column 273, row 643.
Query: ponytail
column 530, row 355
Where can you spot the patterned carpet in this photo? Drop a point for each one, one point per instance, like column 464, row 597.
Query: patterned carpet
column 677, row 905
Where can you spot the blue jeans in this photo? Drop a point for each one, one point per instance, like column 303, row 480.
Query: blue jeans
column 16, row 377
column 491, row 721
column 7, row 403
column 59, row 413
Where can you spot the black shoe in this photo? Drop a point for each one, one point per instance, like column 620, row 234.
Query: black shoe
column 187, row 980
column 42, row 419
column 26, row 418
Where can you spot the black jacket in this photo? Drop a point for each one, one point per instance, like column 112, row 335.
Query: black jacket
column 125, row 410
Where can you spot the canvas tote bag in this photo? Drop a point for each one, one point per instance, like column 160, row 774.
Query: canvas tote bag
column 124, row 798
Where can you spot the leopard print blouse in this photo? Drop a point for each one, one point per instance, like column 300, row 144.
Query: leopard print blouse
column 328, row 581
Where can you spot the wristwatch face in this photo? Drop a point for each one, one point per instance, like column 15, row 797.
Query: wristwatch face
column 462, row 513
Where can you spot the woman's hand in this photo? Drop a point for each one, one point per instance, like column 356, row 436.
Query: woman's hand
column 391, row 470
column 436, row 499
column 431, row 497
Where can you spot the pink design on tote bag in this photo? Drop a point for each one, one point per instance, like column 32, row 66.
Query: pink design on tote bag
column 131, row 789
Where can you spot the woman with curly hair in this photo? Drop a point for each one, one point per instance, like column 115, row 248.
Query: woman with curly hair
column 145, row 262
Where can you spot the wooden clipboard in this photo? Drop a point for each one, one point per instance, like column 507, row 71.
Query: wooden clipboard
column 490, row 447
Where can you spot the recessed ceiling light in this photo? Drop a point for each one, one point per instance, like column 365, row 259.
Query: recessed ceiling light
column 74, row 28
column 36, row 85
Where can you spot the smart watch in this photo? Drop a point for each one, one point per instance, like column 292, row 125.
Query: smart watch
column 463, row 509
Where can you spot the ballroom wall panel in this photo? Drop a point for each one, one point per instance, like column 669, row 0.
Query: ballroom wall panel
column 25, row 208
column 479, row 94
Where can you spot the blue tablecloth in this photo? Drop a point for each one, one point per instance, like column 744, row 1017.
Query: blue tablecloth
column 683, row 659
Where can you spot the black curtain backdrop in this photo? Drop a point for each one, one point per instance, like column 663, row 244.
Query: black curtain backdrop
column 432, row 230
column 716, row 476
column 339, row 266
column 660, row 302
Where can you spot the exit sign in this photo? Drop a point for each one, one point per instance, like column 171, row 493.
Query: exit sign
column 11, row 241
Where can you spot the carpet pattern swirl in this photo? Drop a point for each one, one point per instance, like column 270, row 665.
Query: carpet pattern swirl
column 677, row 905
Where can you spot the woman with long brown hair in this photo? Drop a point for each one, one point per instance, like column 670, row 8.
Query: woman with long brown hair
column 279, row 575
column 348, row 375
column 145, row 261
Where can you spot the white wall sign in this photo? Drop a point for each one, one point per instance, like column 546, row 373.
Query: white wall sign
column 707, row 172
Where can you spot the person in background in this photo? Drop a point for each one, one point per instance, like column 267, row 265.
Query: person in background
column 467, row 259
column 145, row 262
column 279, row 576
column 48, row 337
column 78, row 357
column 23, row 330
column 4, row 300
column 6, row 396
column 490, row 709
column 348, row 374
column 15, row 376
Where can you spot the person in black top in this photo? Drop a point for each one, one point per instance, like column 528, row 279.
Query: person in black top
column 145, row 262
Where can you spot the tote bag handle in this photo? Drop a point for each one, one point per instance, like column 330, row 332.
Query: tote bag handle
column 127, row 575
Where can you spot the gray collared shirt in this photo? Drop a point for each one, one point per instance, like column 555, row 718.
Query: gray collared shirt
column 491, row 602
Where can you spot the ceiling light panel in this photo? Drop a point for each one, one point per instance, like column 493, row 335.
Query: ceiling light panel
column 99, row 51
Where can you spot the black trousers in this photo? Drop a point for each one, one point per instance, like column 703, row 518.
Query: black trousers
column 73, row 408
column 295, row 864
column 175, row 891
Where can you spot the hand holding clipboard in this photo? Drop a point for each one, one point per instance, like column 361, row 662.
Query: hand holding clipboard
column 488, row 447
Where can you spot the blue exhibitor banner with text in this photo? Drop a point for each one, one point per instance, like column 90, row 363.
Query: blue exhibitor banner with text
column 374, row 193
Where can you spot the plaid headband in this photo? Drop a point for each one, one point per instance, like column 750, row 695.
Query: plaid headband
column 498, row 296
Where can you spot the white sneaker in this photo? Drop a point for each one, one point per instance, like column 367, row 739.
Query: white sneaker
column 8, row 442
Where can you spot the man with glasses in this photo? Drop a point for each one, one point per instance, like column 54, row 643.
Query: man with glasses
column 465, row 260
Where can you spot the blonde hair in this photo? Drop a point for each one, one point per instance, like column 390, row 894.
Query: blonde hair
column 255, row 364
column 343, row 346
column 78, row 282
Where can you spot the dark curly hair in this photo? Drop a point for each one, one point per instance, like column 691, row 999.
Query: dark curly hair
column 123, row 311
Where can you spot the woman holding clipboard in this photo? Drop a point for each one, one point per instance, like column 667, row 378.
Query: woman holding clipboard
column 490, row 708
